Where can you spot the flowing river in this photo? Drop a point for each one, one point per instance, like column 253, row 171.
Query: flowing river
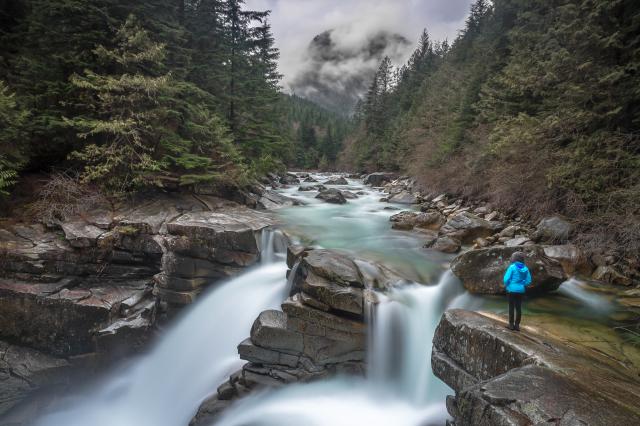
column 166, row 386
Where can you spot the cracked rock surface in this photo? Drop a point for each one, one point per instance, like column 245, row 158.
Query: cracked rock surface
column 528, row 378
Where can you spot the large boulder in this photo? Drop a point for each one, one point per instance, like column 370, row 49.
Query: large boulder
column 481, row 270
column 289, row 179
column 337, row 181
column 467, row 227
column 379, row 179
column 403, row 197
column 554, row 229
column 407, row 220
column 528, row 378
column 332, row 196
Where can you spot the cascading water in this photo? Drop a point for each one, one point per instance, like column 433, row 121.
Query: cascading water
column 574, row 289
column 165, row 387
column 400, row 388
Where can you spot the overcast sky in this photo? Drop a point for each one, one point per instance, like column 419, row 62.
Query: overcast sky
column 296, row 22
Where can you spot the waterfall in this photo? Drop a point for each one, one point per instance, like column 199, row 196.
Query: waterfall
column 574, row 289
column 399, row 388
column 166, row 386
column 401, row 339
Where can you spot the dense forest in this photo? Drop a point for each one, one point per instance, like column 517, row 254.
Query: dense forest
column 164, row 93
column 534, row 107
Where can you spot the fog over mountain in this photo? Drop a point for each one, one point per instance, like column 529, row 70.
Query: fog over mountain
column 335, row 74
column 331, row 48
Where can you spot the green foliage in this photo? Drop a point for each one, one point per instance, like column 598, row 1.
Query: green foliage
column 156, row 92
column 146, row 128
column 12, row 121
column 533, row 97
column 315, row 133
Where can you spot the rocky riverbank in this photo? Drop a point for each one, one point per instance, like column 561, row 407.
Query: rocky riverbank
column 533, row 377
column 487, row 238
column 89, row 289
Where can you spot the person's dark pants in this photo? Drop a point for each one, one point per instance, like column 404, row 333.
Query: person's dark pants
column 515, row 302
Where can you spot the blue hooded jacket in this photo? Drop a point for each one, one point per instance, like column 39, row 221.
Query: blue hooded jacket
column 517, row 278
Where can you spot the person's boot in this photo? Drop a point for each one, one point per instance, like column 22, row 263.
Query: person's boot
column 516, row 327
column 511, row 327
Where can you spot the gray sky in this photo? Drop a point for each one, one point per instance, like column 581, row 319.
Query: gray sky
column 296, row 22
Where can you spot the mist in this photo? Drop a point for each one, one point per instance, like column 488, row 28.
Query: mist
column 331, row 48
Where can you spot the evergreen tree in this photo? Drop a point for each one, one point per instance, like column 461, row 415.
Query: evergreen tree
column 143, row 132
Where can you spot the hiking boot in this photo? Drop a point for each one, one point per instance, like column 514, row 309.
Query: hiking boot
column 510, row 327
column 516, row 328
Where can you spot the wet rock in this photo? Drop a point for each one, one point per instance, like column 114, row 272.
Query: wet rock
column 507, row 378
column 294, row 252
column 554, row 229
column 379, row 179
column 404, row 221
column 309, row 179
column 445, row 244
column 332, row 196
column 349, row 195
column 610, row 274
column 407, row 220
column 467, row 227
column 24, row 371
column 573, row 261
column 271, row 200
column 312, row 188
column 337, row 181
column 56, row 319
column 404, row 197
column 481, row 271
column 289, row 179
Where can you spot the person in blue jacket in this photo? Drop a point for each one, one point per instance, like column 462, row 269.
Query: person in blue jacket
column 516, row 279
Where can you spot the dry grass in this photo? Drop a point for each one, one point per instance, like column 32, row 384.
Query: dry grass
column 62, row 197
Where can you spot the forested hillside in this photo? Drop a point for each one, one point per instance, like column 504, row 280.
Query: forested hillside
column 125, row 95
column 317, row 133
column 534, row 107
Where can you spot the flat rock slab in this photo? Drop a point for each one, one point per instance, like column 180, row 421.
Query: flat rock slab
column 506, row 378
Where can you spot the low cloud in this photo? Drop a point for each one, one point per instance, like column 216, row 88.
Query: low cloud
column 360, row 32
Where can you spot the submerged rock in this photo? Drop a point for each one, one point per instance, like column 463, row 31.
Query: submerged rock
column 481, row 270
column 528, row 378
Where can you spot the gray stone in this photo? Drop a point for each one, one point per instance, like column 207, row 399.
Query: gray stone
column 554, row 229
column 332, row 196
column 379, row 179
column 528, row 378
column 482, row 270
column 337, row 181
column 404, row 197
column 444, row 244
column 467, row 227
